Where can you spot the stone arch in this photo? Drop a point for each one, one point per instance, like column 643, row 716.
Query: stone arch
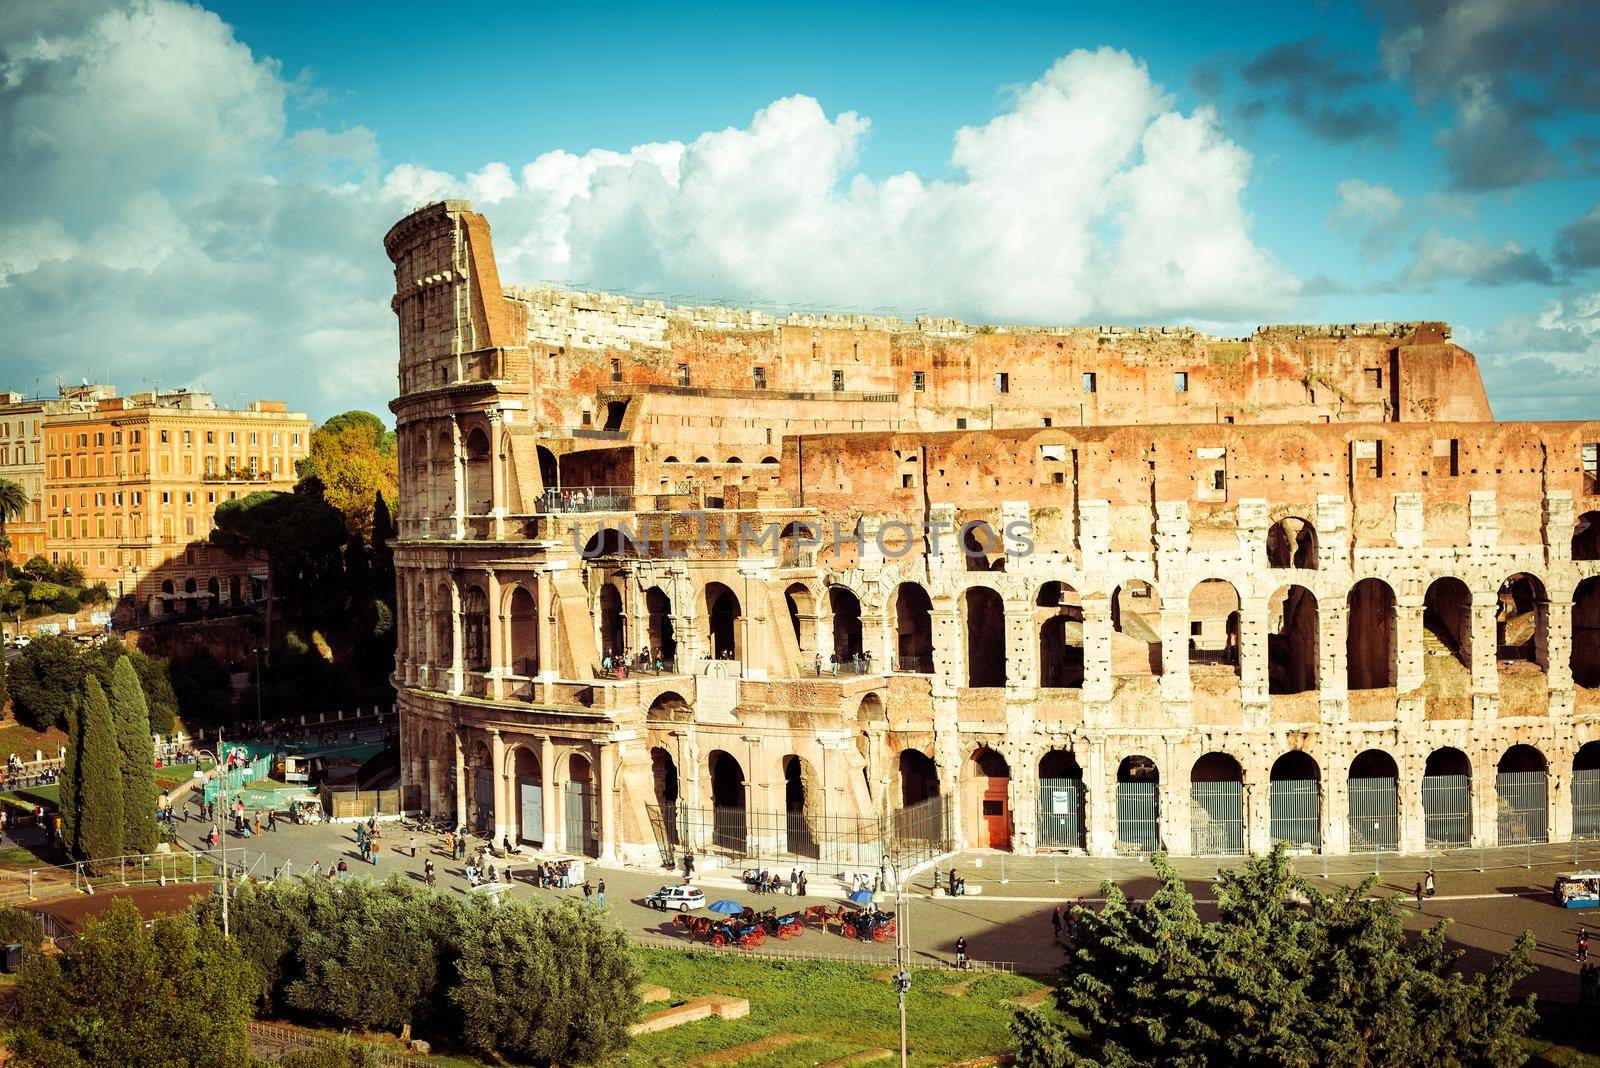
column 549, row 470
column 1586, row 537
column 802, row 605
column 581, row 811
column 613, row 640
column 1135, row 629
column 527, row 791
column 1522, row 796
column 480, row 787
column 1062, row 822
column 658, row 613
column 797, row 544
column 1058, row 614
column 919, row 777
column 913, row 626
column 1370, row 635
column 1214, row 626
column 1138, row 805
column 670, row 460
column 1522, row 621
column 1586, row 791
column 989, row 798
column 475, row 629
column 983, row 618
column 479, row 480
column 723, row 618
column 1374, row 802
column 729, row 824
column 522, row 646
column 981, row 547
column 664, row 778
column 846, row 609
column 1586, row 633
column 1293, row 641
column 612, row 543
column 802, row 796
column 1447, row 620
column 1292, row 542
column 1447, row 798
column 443, row 633
column 1216, row 811
column 167, row 587
column 425, row 770
column 1294, row 801
column 769, row 460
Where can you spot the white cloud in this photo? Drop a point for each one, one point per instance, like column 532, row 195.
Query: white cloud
column 164, row 214
column 1365, row 201
column 1437, row 256
column 1544, row 365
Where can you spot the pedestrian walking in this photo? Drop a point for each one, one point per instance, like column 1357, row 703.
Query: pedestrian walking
column 1427, row 883
column 688, row 867
column 427, row 872
column 1583, row 946
column 588, row 892
column 413, row 847
column 450, row 843
column 601, row 889
column 961, row 952
column 372, row 854
column 1055, row 920
column 1418, row 892
column 802, row 888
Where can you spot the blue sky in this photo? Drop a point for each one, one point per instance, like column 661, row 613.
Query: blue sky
column 198, row 195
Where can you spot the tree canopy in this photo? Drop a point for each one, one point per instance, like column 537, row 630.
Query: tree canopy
column 300, row 533
column 1286, row 974
column 356, row 460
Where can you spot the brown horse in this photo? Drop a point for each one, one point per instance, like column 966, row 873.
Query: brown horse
column 694, row 926
column 820, row 913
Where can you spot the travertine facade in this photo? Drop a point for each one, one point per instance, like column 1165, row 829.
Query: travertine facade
column 1079, row 588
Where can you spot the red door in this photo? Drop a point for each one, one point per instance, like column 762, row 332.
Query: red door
column 996, row 824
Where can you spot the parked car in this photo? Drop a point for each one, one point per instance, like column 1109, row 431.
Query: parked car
column 676, row 898
column 21, row 641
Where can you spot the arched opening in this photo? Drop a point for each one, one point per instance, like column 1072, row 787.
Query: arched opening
column 846, row 608
column 797, row 545
column 919, row 777
column 1522, row 621
column 612, row 543
column 1521, row 786
column 1216, row 811
column 613, row 644
column 480, row 796
column 1586, row 633
column 189, row 585
column 728, row 823
column 983, row 616
column 1062, row 823
column 1586, row 791
column 664, row 779
column 442, row 628
column 1374, row 813
column 799, row 800
column 1447, row 627
column 670, row 460
column 1136, row 629
column 1292, row 542
column 167, row 587
column 1447, row 798
column 1214, row 627
column 658, row 607
column 424, row 766
column 529, row 792
column 1058, row 612
column 1586, row 537
column 802, row 614
column 1370, row 635
column 475, row 629
column 480, row 484
column 214, row 588
column 523, row 647
column 769, row 460
column 233, row 590
column 722, row 618
column 1293, row 630
column 913, row 629
column 549, row 471
column 982, row 547
column 1294, row 802
column 702, row 459
column 583, row 831
column 1138, row 805
column 921, row 816
column 989, row 785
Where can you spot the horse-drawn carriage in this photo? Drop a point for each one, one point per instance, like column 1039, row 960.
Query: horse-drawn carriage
column 868, row 925
column 739, row 932
column 782, row 927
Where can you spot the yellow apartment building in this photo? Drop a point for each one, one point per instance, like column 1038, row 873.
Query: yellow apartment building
column 132, row 484
column 22, row 462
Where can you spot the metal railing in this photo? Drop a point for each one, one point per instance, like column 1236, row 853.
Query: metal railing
column 60, row 880
column 858, row 666
column 629, row 668
column 914, row 665
column 587, row 499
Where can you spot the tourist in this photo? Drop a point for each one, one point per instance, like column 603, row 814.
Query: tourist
column 427, row 872
column 802, row 886
column 794, row 881
column 819, row 664
column 450, row 843
column 688, row 867
column 413, row 847
column 1583, row 945
column 588, row 891
column 1055, row 921
column 952, row 880
column 1427, row 883
column 372, row 853
column 961, row 952
column 343, row 869
column 1418, row 893
column 601, row 891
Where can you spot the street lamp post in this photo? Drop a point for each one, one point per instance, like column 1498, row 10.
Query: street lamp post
column 222, row 831
column 902, row 947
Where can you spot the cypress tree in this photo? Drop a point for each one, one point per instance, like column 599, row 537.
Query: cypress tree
column 132, row 717
column 67, row 785
column 5, row 688
column 382, row 554
column 99, row 778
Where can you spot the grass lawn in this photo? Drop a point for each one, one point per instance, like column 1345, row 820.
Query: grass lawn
column 34, row 856
column 838, row 1007
column 1564, row 1035
column 24, row 741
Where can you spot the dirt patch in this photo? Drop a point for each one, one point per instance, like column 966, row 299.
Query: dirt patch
column 149, row 900
column 735, row 1054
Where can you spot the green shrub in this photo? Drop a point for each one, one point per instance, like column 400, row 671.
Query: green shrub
column 19, row 925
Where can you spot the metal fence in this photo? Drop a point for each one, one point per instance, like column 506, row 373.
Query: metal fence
column 1520, row 808
column 792, row 952
column 1216, row 818
column 1447, row 810
column 1586, row 803
column 1061, row 814
column 1374, row 814
column 919, row 832
column 1294, row 808
column 588, row 499
column 62, row 880
column 1138, row 828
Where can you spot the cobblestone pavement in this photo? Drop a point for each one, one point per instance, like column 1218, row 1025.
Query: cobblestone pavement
column 1002, row 921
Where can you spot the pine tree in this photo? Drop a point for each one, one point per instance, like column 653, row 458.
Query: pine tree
column 382, row 555
column 132, row 717
column 5, row 688
column 99, row 778
column 71, row 768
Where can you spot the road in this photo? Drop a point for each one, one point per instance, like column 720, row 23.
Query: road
column 1007, row 921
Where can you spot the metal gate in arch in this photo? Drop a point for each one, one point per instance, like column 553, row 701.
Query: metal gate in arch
column 1061, row 815
column 1374, row 814
column 1295, row 807
column 1137, row 825
column 1447, row 809
column 1520, row 806
column 1216, row 818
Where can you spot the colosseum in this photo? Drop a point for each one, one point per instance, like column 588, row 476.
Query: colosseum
column 827, row 586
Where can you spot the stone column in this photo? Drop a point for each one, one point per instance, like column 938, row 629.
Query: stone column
column 950, row 655
column 499, row 665
column 1253, row 649
column 458, row 663
column 1558, row 641
column 430, row 503
column 1413, row 819
column 1485, row 802
column 1408, row 641
column 608, row 803
column 497, row 475
column 1101, row 798
column 1482, row 644
column 1258, row 811
column 497, row 756
column 430, row 630
column 553, row 825
column 461, row 781
column 1097, row 680
column 1559, row 794
column 1335, row 805
column 458, row 481
column 1175, row 684
column 544, row 626
column 1022, row 645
